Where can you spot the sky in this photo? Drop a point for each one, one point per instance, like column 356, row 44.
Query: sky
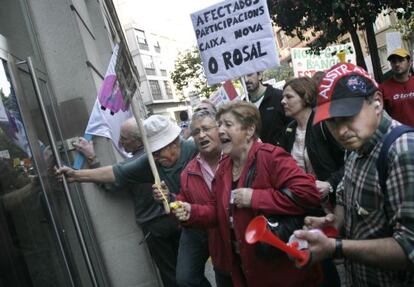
column 167, row 17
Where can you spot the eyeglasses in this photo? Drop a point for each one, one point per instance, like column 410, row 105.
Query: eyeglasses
column 205, row 130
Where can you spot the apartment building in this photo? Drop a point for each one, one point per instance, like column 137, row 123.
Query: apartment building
column 154, row 56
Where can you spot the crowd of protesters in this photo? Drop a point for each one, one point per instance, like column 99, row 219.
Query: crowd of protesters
column 319, row 140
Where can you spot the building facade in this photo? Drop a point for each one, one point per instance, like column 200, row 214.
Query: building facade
column 53, row 55
column 154, row 56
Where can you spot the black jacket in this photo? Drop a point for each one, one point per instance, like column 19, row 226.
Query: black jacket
column 273, row 116
column 325, row 154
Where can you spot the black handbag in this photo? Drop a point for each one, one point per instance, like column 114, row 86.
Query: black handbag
column 281, row 225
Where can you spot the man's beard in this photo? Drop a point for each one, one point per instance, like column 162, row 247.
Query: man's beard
column 252, row 88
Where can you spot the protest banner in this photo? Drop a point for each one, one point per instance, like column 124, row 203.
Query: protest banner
column 275, row 84
column 224, row 94
column 235, row 38
column 306, row 63
column 394, row 41
column 128, row 77
column 5, row 154
column 110, row 109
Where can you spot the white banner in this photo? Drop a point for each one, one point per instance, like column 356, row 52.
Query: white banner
column 103, row 123
column 235, row 38
column 306, row 64
column 224, row 94
column 5, row 154
column 110, row 109
column 393, row 40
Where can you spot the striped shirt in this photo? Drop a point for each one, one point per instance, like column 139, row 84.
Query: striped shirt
column 208, row 173
column 370, row 213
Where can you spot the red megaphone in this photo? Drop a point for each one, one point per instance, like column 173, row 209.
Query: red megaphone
column 257, row 231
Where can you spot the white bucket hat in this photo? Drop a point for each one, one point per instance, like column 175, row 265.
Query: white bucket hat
column 161, row 131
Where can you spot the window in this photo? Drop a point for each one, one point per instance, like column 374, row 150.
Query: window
column 168, row 89
column 150, row 72
column 142, row 40
column 155, row 90
column 161, row 66
column 148, row 63
column 281, row 39
column 157, row 47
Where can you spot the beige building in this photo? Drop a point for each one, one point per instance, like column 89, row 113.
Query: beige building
column 154, row 56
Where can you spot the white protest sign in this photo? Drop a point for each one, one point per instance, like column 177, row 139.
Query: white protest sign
column 224, row 94
column 5, row 154
column 235, row 38
column 306, row 64
column 393, row 40
column 194, row 99
column 277, row 85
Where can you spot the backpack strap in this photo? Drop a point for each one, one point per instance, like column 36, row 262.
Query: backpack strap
column 382, row 161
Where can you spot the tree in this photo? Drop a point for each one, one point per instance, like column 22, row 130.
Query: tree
column 189, row 72
column 283, row 72
column 406, row 28
column 329, row 19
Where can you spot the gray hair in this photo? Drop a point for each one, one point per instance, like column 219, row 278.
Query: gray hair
column 201, row 114
column 131, row 127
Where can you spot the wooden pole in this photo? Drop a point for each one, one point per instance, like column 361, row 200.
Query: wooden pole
column 135, row 110
column 138, row 117
column 244, row 88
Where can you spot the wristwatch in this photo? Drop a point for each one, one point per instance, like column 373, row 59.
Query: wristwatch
column 339, row 253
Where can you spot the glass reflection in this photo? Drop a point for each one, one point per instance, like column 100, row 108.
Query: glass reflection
column 28, row 247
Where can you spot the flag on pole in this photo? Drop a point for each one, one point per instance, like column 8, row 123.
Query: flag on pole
column 227, row 92
column 103, row 123
column 230, row 90
column 110, row 96
column 110, row 109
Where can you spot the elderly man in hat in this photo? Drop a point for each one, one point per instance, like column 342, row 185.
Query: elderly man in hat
column 170, row 152
column 378, row 221
column 398, row 91
column 161, row 231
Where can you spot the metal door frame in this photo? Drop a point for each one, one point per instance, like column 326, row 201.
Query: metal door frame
column 36, row 153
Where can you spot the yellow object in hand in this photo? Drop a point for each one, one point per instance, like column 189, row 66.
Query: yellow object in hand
column 175, row 205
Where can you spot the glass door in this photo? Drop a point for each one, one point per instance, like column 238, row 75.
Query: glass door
column 40, row 242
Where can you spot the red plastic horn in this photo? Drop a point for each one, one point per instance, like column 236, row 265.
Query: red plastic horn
column 257, row 231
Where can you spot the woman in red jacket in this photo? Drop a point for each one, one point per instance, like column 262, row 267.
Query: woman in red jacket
column 233, row 206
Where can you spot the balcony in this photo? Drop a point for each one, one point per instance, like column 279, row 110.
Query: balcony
column 150, row 72
column 143, row 46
